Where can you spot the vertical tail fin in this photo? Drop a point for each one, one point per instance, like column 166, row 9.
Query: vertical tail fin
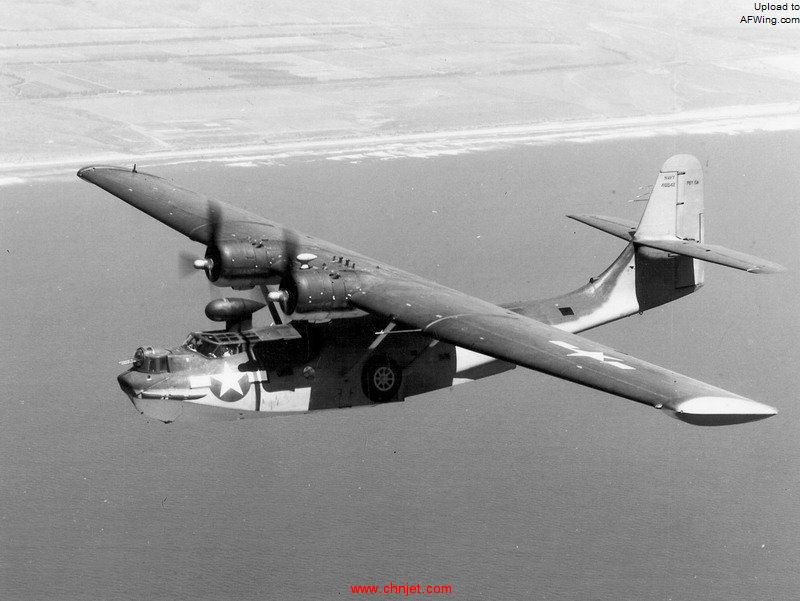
column 675, row 207
column 642, row 277
column 662, row 262
column 675, row 210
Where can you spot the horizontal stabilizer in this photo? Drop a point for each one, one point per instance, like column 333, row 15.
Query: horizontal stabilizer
column 611, row 225
column 713, row 254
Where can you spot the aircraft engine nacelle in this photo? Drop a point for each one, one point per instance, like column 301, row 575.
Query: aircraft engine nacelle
column 312, row 290
column 243, row 264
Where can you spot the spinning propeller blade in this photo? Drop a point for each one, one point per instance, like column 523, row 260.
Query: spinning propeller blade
column 290, row 251
column 290, row 254
column 287, row 264
column 186, row 261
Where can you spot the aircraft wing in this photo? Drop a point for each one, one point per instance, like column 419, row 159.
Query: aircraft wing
column 188, row 212
column 480, row 326
column 181, row 209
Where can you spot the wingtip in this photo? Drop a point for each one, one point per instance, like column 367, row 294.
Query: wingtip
column 577, row 217
column 768, row 268
column 83, row 172
column 581, row 218
column 721, row 411
column 89, row 171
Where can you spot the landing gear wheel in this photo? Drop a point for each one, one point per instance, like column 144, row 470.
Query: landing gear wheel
column 380, row 379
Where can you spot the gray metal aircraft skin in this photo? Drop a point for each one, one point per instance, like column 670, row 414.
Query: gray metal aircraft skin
column 349, row 330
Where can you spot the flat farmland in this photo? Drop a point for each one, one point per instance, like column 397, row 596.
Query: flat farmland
column 123, row 83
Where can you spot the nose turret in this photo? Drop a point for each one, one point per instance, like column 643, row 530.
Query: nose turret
column 151, row 360
column 145, row 383
column 159, row 381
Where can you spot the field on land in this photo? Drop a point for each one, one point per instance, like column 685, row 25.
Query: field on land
column 119, row 81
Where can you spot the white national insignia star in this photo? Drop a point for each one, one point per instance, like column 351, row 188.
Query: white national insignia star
column 229, row 380
column 596, row 355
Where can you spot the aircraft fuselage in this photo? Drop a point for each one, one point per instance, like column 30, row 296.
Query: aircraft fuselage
column 295, row 368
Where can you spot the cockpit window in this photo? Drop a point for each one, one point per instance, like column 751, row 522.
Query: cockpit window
column 192, row 342
column 210, row 346
column 224, row 343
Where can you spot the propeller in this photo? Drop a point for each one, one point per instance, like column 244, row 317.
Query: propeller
column 214, row 215
column 290, row 248
column 186, row 262
column 289, row 261
column 189, row 262
column 289, row 256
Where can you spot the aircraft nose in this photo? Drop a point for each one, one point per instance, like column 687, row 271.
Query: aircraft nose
column 147, row 400
column 134, row 382
column 125, row 383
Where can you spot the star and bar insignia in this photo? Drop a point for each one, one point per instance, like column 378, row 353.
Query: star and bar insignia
column 596, row 355
column 229, row 385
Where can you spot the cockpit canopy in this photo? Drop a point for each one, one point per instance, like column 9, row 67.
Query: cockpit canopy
column 226, row 343
column 210, row 345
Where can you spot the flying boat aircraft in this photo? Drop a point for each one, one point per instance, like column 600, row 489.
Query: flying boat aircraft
column 347, row 330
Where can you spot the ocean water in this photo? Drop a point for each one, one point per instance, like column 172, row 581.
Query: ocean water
column 516, row 487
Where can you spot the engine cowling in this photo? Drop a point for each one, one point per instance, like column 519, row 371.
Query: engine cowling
column 244, row 264
column 314, row 290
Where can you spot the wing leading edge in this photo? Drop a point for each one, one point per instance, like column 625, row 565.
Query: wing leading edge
column 480, row 326
column 181, row 209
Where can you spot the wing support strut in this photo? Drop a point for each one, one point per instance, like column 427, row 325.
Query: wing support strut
column 381, row 335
